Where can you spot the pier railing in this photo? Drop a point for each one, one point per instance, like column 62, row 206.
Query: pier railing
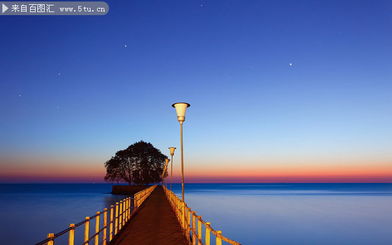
column 112, row 220
column 197, row 231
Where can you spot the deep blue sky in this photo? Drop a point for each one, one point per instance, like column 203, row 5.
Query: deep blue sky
column 287, row 82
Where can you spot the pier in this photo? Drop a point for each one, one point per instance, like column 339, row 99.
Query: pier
column 153, row 216
column 156, row 223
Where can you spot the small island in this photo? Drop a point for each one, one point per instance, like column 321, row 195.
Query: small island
column 140, row 165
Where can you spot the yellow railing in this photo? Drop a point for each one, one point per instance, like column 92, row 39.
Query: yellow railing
column 119, row 214
column 196, row 230
column 142, row 195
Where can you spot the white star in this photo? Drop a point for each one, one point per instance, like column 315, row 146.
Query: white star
column 291, row 64
column 19, row 95
column 125, row 46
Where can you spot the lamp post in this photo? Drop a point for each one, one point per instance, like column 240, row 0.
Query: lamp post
column 180, row 110
column 172, row 149
column 165, row 170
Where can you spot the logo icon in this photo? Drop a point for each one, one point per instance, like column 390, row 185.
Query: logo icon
column 4, row 8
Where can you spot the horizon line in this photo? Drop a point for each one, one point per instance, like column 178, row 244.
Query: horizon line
column 123, row 183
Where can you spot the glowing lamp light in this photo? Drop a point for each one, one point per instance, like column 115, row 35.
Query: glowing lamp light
column 181, row 110
column 172, row 149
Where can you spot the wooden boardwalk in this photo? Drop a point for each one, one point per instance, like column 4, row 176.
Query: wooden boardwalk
column 155, row 223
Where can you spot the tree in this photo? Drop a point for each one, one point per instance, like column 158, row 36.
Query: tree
column 140, row 163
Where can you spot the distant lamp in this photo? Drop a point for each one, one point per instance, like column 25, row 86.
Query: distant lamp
column 165, row 169
column 166, row 164
column 181, row 110
column 172, row 150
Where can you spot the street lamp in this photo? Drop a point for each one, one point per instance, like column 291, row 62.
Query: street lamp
column 172, row 149
column 180, row 110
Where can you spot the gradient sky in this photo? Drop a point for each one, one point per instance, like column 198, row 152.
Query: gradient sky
column 280, row 91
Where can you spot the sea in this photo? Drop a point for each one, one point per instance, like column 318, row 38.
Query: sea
column 248, row 213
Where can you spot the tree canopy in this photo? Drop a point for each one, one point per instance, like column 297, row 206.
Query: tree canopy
column 140, row 164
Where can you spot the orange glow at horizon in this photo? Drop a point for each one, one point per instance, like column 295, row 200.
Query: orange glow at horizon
column 51, row 169
column 298, row 170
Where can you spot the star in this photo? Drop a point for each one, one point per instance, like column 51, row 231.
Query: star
column 291, row 64
column 19, row 95
column 59, row 74
column 125, row 46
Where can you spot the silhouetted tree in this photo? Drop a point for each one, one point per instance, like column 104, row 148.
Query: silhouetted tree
column 140, row 163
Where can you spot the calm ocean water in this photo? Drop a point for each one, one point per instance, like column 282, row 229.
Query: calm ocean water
column 248, row 213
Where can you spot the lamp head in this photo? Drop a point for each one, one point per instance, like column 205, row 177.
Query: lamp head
column 172, row 149
column 180, row 110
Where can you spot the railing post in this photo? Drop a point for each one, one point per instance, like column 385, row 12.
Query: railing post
column 199, row 229
column 183, row 215
column 177, row 213
column 180, row 213
column 51, row 242
column 122, row 213
column 71, row 237
column 194, row 229
column 111, row 223
column 125, row 210
column 218, row 238
column 120, row 216
column 97, row 223
column 208, row 230
column 116, row 220
column 87, row 230
column 176, row 208
column 188, row 221
column 129, row 208
column 134, row 202
column 105, row 226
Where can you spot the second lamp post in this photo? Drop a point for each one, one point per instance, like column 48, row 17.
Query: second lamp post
column 172, row 149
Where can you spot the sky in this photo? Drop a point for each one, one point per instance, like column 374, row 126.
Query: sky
column 280, row 90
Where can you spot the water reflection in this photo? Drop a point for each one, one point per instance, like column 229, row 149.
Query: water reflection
column 296, row 214
column 249, row 213
column 37, row 209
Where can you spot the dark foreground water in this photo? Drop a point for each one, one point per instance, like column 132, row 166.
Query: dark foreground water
column 248, row 213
